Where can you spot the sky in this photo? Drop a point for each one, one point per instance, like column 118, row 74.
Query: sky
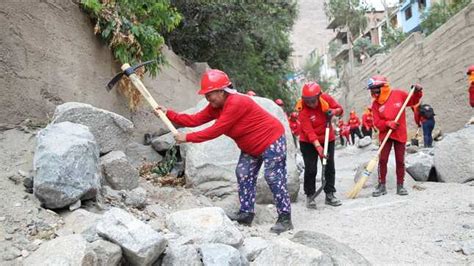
column 377, row 4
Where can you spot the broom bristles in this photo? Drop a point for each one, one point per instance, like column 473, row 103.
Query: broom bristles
column 360, row 183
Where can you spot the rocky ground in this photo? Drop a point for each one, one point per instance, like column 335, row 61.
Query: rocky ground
column 431, row 225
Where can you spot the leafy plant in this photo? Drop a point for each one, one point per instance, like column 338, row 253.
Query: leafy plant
column 392, row 37
column 312, row 71
column 363, row 46
column 249, row 40
column 439, row 13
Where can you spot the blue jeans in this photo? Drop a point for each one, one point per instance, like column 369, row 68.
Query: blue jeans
column 274, row 160
column 428, row 127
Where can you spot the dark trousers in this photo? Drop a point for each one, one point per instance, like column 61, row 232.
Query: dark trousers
column 341, row 138
column 355, row 131
column 366, row 132
column 428, row 127
column 310, row 157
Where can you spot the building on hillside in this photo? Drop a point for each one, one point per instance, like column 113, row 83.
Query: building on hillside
column 410, row 13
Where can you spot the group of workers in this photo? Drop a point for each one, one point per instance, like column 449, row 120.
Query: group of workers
column 261, row 137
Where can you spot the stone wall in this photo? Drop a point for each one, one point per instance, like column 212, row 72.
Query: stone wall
column 438, row 62
column 49, row 55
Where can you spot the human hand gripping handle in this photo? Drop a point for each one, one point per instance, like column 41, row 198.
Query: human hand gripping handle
column 393, row 125
column 335, row 111
column 417, row 87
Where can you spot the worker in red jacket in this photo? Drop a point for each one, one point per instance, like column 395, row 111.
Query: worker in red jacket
column 354, row 123
column 259, row 135
column 470, row 73
column 340, row 124
column 294, row 126
column 367, row 122
column 346, row 132
column 385, row 107
column 316, row 107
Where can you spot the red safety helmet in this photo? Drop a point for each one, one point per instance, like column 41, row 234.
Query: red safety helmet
column 311, row 89
column 470, row 70
column 251, row 93
column 294, row 115
column 213, row 80
column 377, row 81
column 279, row 102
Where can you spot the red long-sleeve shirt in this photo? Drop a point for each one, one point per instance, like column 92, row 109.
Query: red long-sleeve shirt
column 241, row 118
column 389, row 110
column 313, row 121
column 367, row 121
column 295, row 127
column 354, row 121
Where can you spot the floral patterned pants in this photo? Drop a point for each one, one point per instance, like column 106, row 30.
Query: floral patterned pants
column 274, row 160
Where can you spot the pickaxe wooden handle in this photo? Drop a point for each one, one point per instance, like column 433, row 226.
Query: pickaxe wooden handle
column 129, row 71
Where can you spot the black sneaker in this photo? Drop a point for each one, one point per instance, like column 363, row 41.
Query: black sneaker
column 380, row 190
column 401, row 190
column 283, row 224
column 332, row 200
column 310, row 203
column 244, row 218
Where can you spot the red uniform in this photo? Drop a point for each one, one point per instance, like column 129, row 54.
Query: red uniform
column 354, row 121
column 471, row 94
column 367, row 120
column 241, row 118
column 295, row 127
column 389, row 110
column 313, row 121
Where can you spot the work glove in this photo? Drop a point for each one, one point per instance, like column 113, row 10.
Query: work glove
column 417, row 87
column 320, row 151
column 392, row 125
column 335, row 111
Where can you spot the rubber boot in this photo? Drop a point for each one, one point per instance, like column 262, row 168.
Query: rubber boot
column 332, row 200
column 380, row 190
column 401, row 190
column 244, row 218
column 283, row 224
column 310, row 204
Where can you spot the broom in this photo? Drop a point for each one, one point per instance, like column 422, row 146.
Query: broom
column 371, row 165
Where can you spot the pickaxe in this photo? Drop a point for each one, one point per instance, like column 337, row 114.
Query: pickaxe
column 130, row 72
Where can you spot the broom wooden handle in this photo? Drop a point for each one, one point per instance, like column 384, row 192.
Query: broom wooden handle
column 144, row 92
column 410, row 94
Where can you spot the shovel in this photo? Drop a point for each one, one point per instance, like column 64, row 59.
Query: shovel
column 373, row 163
column 323, row 168
column 414, row 140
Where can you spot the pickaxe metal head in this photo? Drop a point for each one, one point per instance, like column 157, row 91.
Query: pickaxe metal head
column 127, row 72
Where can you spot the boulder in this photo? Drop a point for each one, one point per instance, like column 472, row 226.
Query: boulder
column 252, row 247
column 181, row 255
column 339, row 253
column 118, row 172
column 163, row 143
column 210, row 166
column 68, row 250
column 111, row 131
column 364, row 142
column 138, row 154
column 205, row 225
column 108, row 254
column 136, row 198
column 264, row 213
column 221, row 255
column 282, row 251
column 66, row 162
column 419, row 165
column 78, row 221
column 453, row 156
column 140, row 244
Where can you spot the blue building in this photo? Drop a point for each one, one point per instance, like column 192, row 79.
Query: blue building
column 409, row 14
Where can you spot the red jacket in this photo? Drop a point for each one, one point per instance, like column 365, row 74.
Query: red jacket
column 313, row 121
column 354, row 121
column 295, row 127
column 471, row 94
column 368, row 121
column 241, row 118
column 389, row 110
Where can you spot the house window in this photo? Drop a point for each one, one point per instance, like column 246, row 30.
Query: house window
column 408, row 13
column 421, row 4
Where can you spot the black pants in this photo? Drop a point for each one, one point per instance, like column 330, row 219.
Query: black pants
column 341, row 138
column 310, row 157
column 355, row 131
column 366, row 132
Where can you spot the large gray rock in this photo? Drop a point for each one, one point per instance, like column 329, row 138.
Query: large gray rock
column 108, row 254
column 78, row 222
column 454, row 156
column 210, row 166
column 163, row 142
column 68, row 250
column 340, row 254
column 118, row 172
column 138, row 154
column 205, row 225
column 111, row 131
column 419, row 165
column 221, row 255
column 182, row 255
column 252, row 247
column 364, row 142
column 282, row 251
column 66, row 162
column 140, row 244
